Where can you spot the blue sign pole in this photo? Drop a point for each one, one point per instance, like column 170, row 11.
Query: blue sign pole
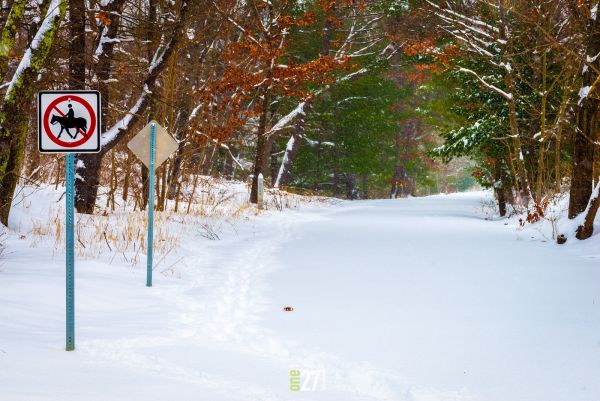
column 70, row 240
column 151, row 203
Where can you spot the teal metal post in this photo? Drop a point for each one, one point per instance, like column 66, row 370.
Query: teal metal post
column 151, row 204
column 70, row 271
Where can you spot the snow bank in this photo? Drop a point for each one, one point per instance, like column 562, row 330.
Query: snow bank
column 118, row 236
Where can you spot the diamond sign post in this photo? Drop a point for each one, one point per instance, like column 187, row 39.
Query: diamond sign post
column 152, row 145
column 69, row 122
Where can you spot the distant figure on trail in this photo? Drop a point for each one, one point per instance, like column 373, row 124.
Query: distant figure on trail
column 70, row 121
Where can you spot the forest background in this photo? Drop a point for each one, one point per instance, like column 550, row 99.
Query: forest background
column 345, row 98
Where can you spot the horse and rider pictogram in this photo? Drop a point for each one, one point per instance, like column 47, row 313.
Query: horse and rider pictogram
column 69, row 121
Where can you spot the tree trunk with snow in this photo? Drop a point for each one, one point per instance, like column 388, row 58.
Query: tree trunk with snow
column 587, row 111
column 88, row 165
column 511, row 99
column 292, row 148
column 260, row 158
column 7, row 39
column 178, row 160
column 89, row 172
column 150, row 49
column 77, row 31
column 14, row 113
column 586, row 230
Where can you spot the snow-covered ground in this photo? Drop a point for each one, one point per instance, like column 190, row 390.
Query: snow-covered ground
column 415, row 299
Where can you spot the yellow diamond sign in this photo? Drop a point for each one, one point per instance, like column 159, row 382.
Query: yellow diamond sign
column 166, row 145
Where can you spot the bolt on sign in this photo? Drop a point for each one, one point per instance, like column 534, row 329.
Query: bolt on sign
column 69, row 121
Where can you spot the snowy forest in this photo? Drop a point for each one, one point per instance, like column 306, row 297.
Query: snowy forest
column 424, row 230
column 353, row 99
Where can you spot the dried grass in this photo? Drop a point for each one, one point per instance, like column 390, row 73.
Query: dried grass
column 121, row 234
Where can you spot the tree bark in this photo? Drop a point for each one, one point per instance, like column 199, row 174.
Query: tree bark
column 260, row 159
column 7, row 38
column 394, row 192
column 274, row 152
column 295, row 141
column 292, row 148
column 500, row 189
column 150, row 39
column 14, row 113
column 87, row 186
column 178, row 160
column 88, row 165
column 77, row 46
column 586, row 230
column 583, row 160
column 583, row 147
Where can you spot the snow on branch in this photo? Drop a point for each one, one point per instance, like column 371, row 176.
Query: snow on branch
column 124, row 123
column 505, row 95
column 464, row 17
column 284, row 162
column 40, row 44
column 466, row 26
column 299, row 110
column 236, row 24
column 161, row 57
column 283, row 122
column 474, row 47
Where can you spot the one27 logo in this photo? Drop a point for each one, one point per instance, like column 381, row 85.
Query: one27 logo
column 307, row 380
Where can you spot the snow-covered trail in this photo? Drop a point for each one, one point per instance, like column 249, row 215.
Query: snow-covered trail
column 456, row 306
column 411, row 300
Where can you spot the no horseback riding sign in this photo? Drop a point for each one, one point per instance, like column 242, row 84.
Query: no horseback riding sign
column 69, row 121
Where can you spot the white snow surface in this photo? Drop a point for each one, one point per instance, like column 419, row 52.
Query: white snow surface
column 417, row 299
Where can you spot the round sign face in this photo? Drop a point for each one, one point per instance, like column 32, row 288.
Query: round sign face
column 69, row 121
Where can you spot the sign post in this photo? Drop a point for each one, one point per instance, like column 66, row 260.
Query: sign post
column 151, row 204
column 152, row 145
column 70, row 242
column 69, row 122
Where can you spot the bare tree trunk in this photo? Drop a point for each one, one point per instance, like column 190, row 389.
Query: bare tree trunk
column 9, row 32
column 77, row 46
column 261, row 146
column 14, row 118
column 500, row 189
column 228, row 167
column 586, row 230
column 274, row 164
column 587, row 109
column 394, row 192
column 291, row 149
column 174, row 173
column 126, row 179
column 295, row 141
column 89, row 172
column 583, row 158
column 365, row 186
column 88, row 165
column 520, row 167
column 350, row 186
